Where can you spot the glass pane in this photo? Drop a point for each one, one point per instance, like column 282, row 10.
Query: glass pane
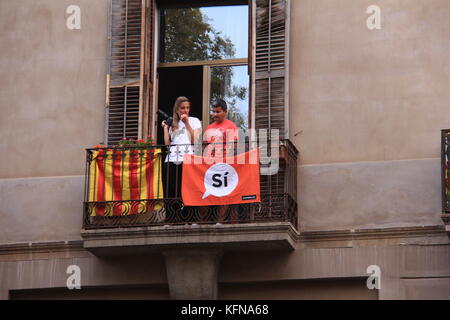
column 232, row 85
column 205, row 33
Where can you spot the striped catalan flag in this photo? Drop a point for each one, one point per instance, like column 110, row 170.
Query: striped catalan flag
column 121, row 175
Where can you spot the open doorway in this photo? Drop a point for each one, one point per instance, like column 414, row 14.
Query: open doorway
column 174, row 82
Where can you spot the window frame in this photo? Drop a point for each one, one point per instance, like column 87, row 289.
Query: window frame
column 206, row 64
column 268, row 62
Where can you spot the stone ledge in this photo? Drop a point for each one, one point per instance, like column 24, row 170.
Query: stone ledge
column 35, row 247
column 303, row 237
column 372, row 234
column 228, row 237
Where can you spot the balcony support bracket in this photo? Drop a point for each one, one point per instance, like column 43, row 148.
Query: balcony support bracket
column 192, row 273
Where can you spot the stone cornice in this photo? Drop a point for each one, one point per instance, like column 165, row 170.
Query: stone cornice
column 373, row 234
column 35, row 247
column 243, row 230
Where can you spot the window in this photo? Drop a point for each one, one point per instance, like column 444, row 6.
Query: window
column 201, row 48
column 208, row 46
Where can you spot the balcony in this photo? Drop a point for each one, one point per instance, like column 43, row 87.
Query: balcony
column 445, row 160
column 149, row 222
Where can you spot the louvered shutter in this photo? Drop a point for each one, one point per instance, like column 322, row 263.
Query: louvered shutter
column 128, row 80
column 271, row 91
column 271, row 71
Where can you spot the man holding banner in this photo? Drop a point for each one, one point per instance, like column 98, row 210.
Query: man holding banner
column 219, row 178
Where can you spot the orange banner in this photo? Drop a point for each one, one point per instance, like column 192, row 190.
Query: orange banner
column 207, row 181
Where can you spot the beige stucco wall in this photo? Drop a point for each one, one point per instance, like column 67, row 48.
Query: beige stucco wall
column 41, row 209
column 410, row 268
column 51, row 86
column 363, row 95
column 375, row 100
column 363, row 195
column 331, row 197
column 367, row 107
column 356, row 94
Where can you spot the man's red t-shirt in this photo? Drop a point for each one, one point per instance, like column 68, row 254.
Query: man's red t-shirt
column 221, row 133
column 217, row 132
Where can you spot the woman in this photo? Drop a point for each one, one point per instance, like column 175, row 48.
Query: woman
column 179, row 136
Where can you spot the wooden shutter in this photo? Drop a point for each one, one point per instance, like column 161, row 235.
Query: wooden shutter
column 271, row 65
column 129, row 69
column 271, row 90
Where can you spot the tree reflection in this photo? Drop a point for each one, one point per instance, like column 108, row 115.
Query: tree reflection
column 222, row 87
column 189, row 37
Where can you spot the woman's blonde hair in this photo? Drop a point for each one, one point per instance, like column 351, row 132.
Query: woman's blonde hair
column 176, row 117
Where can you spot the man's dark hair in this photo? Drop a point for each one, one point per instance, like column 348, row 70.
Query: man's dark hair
column 220, row 103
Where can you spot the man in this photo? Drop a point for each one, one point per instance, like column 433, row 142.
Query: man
column 221, row 131
column 221, row 134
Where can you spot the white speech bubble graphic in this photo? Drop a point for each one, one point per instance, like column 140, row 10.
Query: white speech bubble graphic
column 220, row 180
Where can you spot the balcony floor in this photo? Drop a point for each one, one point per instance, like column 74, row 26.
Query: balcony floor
column 228, row 237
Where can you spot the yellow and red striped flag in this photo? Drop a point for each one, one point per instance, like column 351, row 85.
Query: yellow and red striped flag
column 120, row 175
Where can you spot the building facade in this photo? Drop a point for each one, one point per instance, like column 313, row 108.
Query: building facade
column 364, row 107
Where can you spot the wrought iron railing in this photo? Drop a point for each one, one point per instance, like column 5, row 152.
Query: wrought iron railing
column 278, row 191
column 445, row 159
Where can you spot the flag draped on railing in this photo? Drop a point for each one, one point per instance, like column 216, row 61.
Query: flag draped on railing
column 122, row 182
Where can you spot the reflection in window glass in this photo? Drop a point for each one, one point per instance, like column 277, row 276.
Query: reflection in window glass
column 206, row 33
column 231, row 84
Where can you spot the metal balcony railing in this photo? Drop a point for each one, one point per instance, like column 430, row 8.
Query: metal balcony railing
column 445, row 160
column 165, row 207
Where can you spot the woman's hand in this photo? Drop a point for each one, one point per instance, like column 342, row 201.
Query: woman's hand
column 184, row 118
column 166, row 133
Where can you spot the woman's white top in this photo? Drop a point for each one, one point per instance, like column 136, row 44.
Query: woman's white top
column 180, row 140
